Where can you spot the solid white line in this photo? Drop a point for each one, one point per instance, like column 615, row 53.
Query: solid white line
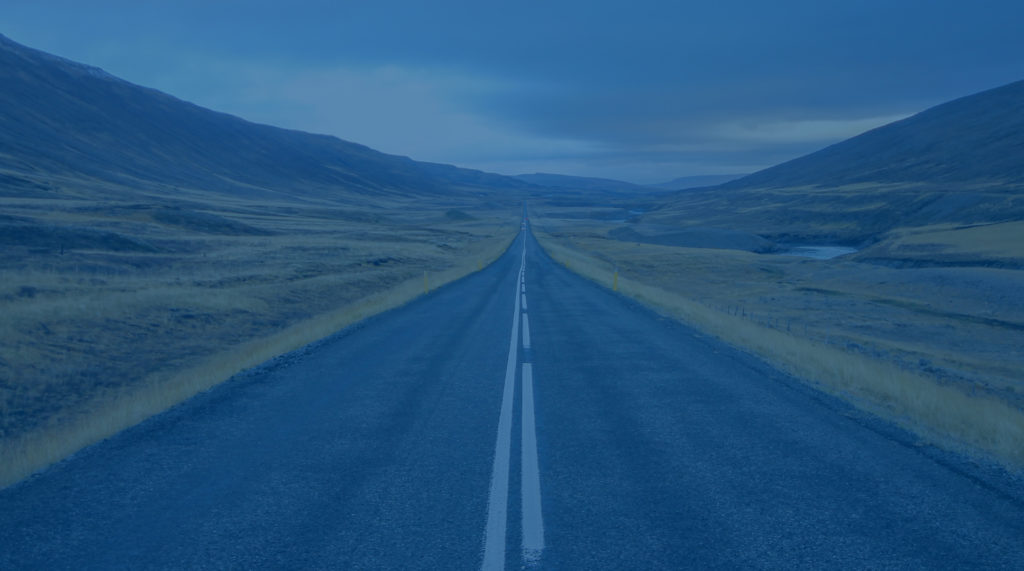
column 533, row 521
column 497, row 505
column 526, row 331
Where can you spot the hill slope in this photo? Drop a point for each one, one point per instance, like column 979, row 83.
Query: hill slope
column 978, row 138
column 569, row 182
column 150, row 248
column 688, row 182
column 959, row 164
column 64, row 118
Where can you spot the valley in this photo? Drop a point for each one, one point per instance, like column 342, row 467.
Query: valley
column 160, row 252
column 150, row 249
column 659, row 285
column 916, row 312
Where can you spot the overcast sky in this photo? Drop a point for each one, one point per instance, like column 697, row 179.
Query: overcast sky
column 644, row 90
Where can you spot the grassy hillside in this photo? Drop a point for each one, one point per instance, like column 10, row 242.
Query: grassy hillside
column 854, row 215
column 63, row 118
column 150, row 248
column 973, row 140
column 960, row 163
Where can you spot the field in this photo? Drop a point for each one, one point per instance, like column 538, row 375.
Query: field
column 116, row 309
column 906, row 328
column 998, row 245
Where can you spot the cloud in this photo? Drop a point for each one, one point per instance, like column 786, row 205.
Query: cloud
column 799, row 131
column 650, row 90
column 414, row 111
column 501, row 125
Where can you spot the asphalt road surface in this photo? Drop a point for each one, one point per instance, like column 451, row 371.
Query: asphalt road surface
column 521, row 417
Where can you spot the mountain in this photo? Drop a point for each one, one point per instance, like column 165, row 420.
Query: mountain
column 567, row 182
column 561, row 181
column 61, row 118
column 957, row 164
column 687, row 182
column 974, row 139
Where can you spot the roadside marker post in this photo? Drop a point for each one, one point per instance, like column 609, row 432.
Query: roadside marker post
column 615, row 280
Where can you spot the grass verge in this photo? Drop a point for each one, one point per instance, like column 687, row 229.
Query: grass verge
column 102, row 410
column 943, row 414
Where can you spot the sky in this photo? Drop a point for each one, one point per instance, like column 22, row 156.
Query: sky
column 643, row 91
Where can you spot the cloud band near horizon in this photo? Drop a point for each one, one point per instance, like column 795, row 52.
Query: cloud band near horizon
column 646, row 91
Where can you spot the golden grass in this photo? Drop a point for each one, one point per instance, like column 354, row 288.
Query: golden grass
column 1001, row 240
column 109, row 413
column 965, row 325
column 95, row 341
column 942, row 413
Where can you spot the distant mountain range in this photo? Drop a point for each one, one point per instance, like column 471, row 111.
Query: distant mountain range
column 64, row 120
column 974, row 139
column 959, row 163
column 561, row 181
column 61, row 118
column 688, row 182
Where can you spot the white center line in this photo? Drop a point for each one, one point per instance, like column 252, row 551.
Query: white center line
column 526, row 331
column 497, row 505
column 533, row 522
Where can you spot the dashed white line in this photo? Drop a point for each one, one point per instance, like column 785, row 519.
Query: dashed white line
column 533, row 522
column 497, row 505
column 526, row 332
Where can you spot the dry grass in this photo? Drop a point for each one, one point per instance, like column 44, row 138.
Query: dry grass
column 94, row 339
column 833, row 336
column 993, row 244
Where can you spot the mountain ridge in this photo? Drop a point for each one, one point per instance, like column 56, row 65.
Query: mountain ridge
column 965, row 140
column 564, row 181
column 696, row 181
column 66, row 118
column 958, row 164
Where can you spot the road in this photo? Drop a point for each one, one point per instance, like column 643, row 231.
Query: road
column 521, row 417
